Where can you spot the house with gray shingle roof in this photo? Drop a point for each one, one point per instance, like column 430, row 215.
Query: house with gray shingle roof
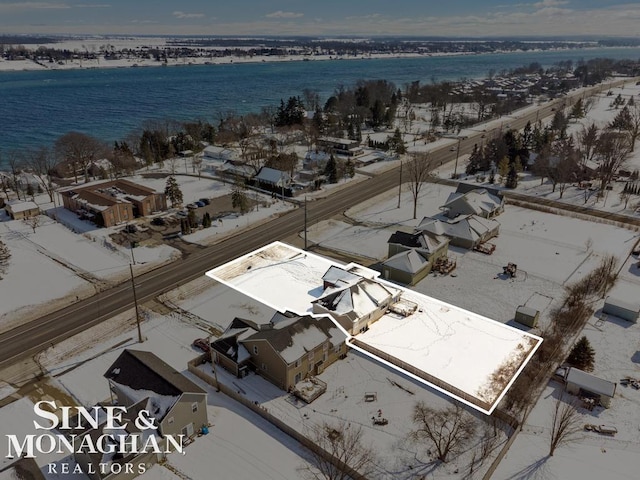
column 412, row 255
column 286, row 350
column 474, row 202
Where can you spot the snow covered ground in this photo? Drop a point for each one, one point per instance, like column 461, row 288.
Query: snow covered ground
column 240, row 444
column 451, row 342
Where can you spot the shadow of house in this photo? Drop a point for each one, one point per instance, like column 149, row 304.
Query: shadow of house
column 178, row 405
column 286, row 350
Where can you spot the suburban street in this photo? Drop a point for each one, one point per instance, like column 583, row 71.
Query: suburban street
column 32, row 337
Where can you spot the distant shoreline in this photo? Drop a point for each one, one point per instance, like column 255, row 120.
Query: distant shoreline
column 101, row 63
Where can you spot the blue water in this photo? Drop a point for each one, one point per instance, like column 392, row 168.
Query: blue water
column 37, row 107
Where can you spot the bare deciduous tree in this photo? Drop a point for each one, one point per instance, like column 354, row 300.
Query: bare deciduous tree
column 345, row 452
column 79, row 149
column 587, row 139
column 565, row 424
column 34, row 222
column 41, row 162
column 447, row 430
column 418, row 168
column 612, row 150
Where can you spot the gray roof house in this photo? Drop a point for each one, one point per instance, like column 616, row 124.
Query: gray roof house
column 354, row 301
column 475, row 202
column 178, row 404
column 285, row 350
column 412, row 255
column 273, row 177
column 463, row 231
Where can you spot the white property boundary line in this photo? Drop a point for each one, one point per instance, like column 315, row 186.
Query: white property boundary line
column 213, row 274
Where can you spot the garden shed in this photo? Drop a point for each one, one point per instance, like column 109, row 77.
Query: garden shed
column 584, row 384
column 619, row 308
column 527, row 316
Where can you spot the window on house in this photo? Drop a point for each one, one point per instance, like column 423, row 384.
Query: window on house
column 324, row 357
column 298, row 363
column 194, row 407
column 325, row 347
column 337, row 348
column 310, row 356
column 255, row 349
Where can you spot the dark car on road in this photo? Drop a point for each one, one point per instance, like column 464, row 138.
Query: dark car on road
column 206, row 201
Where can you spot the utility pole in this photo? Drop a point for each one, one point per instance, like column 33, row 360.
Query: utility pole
column 135, row 302
column 455, row 167
column 213, row 362
column 400, row 183
column 305, row 222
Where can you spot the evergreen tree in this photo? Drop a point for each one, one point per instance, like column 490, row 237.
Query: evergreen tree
column 503, row 167
column 349, row 170
column 582, row 355
column 578, row 109
column 172, row 191
column 191, row 217
column 512, row 177
column 331, row 170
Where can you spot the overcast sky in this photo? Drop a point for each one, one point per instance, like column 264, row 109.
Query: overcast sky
column 324, row 17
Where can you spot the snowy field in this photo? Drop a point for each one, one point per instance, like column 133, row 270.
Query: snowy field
column 348, row 380
column 590, row 455
column 453, row 342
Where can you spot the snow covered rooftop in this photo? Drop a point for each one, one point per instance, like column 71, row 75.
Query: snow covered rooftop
column 452, row 350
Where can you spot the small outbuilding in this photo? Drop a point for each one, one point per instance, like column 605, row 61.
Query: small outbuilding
column 527, row 316
column 19, row 210
column 619, row 308
column 584, row 384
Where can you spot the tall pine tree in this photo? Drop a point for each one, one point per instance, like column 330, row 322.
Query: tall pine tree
column 582, row 355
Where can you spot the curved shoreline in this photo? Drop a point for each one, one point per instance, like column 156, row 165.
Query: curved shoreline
column 101, row 63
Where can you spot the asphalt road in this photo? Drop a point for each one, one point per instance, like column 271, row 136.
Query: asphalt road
column 37, row 335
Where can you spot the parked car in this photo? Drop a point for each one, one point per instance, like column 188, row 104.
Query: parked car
column 182, row 214
column 199, row 204
column 192, row 205
column 206, row 201
column 202, row 344
column 453, row 149
column 158, row 221
column 130, row 228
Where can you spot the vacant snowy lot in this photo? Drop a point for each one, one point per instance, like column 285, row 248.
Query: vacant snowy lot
column 439, row 339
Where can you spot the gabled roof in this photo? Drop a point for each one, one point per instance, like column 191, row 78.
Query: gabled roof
column 590, row 382
column 144, row 371
column 293, row 337
column 273, row 176
column 427, row 241
column 357, row 299
column 478, row 201
column 409, row 261
column 338, row 276
column 470, row 227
